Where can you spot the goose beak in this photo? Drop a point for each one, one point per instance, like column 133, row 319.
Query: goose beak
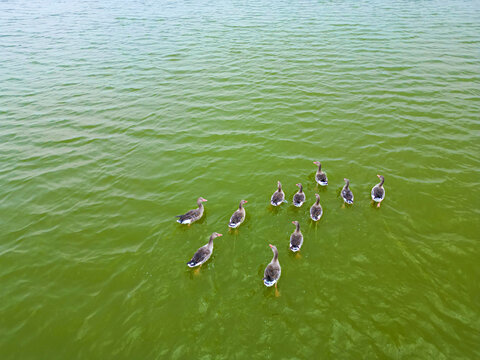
column 270, row 245
column 219, row 234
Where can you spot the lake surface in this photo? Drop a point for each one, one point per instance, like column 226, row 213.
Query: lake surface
column 116, row 116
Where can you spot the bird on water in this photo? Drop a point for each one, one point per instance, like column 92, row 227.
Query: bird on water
column 273, row 270
column 278, row 196
column 299, row 197
column 378, row 191
column 347, row 194
column 192, row 215
column 320, row 176
column 203, row 253
column 296, row 239
column 316, row 210
column 238, row 216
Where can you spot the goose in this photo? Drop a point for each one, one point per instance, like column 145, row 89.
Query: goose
column 238, row 216
column 316, row 210
column 203, row 253
column 378, row 192
column 320, row 176
column 299, row 197
column 347, row 194
column 192, row 215
column 278, row 196
column 296, row 239
column 273, row 270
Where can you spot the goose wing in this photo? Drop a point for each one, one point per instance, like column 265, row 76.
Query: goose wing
column 237, row 217
column 272, row 272
column 277, row 198
column 347, row 195
column 298, row 199
column 321, row 177
column 202, row 255
column 296, row 240
column 316, row 212
column 378, row 193
column 189, row 216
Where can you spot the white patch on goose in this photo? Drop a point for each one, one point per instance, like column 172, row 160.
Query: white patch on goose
column 269, row 283
column 377, row 199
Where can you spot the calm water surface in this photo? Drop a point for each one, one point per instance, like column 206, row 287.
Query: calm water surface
column 115, row 116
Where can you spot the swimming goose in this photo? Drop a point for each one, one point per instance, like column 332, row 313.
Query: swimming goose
column 273, row 270
column 316, row 210
column 192, row 215
column 278, row 196
column 347, row 194
column 238, row 216
column 320, row 176
column 299, row 197
column 204, row 253
column 378, row 192
column 296, row 239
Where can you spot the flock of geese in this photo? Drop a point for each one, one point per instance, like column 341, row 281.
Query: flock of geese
column 273, row 270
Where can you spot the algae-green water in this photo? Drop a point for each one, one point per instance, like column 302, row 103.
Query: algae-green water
column 116, row 116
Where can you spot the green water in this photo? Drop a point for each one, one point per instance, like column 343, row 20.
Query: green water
column 116, row 116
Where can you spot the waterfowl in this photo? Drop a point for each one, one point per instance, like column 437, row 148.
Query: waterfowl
column 273, row 270
column 192, row 215
column 278, row 196
column 296, row 239
column 320, row 176
column 378, row 192
column 347, row 194
column 204, row 253
column 238, row 216
column 299, row 197
column 316, row 210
